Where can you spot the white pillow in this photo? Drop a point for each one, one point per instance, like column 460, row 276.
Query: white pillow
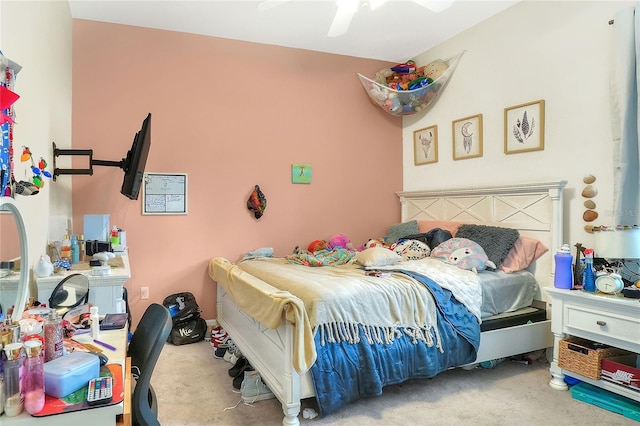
column 377, row 256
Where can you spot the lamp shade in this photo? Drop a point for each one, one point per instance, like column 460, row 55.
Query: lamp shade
column 618, row 244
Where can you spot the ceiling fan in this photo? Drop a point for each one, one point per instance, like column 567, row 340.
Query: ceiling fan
column 348, row 8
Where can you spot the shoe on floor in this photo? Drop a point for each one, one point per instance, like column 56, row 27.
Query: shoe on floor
column 237, row 381
column 220, row 351
column 253, row 388
column 238, row 367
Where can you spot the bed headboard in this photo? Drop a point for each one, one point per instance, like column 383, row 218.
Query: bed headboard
column 534, row 209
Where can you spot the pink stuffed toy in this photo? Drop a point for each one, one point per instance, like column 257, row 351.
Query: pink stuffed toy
column 463, row 253
column 340, row 241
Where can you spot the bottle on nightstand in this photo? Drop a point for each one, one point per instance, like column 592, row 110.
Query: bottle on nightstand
column 589, row 275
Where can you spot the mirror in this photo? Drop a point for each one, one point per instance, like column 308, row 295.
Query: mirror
column 69, row 293
column 7, row 204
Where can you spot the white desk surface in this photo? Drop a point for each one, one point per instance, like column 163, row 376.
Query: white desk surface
column 94, row 416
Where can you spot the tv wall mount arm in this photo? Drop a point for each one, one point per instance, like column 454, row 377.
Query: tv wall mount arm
column 81, row 152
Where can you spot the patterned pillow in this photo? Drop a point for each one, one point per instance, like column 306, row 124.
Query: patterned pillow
column 411, row 249
column 463, row 253
column 494, row 240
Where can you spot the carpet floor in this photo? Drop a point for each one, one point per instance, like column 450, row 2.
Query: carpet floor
column 194, row 388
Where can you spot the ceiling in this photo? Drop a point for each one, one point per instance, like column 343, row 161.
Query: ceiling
column 396, row 31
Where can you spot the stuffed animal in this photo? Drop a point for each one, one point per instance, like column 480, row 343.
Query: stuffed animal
column 435, row 69
column 463, row 253
column 317, row 245
column 340, row 241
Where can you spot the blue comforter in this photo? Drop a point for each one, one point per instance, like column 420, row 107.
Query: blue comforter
column 345, row 372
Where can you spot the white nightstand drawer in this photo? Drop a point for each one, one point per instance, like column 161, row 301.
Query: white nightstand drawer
column 607, row 324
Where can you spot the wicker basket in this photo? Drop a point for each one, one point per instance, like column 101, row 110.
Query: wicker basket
column 583, row 356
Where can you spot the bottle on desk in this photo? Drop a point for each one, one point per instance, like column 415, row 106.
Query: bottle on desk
column 13, row 398
column 53, row 337
column 33, row 377
column 75, row 249
column 95, row 323
column 65, row 248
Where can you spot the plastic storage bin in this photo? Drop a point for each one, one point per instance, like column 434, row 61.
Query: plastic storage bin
column 69, row 373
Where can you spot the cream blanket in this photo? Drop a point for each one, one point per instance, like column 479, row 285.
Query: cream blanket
column 338, row 301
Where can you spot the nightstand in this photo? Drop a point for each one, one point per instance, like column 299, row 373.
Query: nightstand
column 607, row 319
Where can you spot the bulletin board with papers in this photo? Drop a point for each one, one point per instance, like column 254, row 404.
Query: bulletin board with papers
column 164, row 193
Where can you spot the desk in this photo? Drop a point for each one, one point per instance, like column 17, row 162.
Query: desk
column 95, row 416
column 104, row 290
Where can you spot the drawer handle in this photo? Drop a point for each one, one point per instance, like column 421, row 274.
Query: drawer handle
column 601, row 323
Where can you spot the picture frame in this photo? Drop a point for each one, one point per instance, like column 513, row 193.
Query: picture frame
column 466, row 137
column 524, row 127
column 301, row 173
column 425, row 145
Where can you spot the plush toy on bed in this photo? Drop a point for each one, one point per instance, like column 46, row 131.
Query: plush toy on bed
column 340, row 241
column 317, row 245
column 463, row 253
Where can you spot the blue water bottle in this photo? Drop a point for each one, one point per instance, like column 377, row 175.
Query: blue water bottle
column 563, row 277
column 589, row 275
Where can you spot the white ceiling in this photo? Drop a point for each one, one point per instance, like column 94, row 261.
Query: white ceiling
column 396, row 31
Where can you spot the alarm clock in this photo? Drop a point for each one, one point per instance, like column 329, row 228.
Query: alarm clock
column 609, row 283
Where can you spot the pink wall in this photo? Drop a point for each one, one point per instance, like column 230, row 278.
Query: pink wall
column 231, row 115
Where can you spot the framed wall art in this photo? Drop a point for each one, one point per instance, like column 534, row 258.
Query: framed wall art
column 425, row 145
column 467, row 137
column 300, row 173
column 524, row 127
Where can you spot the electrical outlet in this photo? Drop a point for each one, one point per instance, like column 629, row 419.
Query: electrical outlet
column 144, row 292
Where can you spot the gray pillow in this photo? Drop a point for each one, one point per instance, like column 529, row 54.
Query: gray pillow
column 494, row 240
column 400, row 230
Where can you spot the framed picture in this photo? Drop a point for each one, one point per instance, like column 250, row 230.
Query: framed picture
column 467, row 137
column 300, row 173
column 425, row 145
column 524, row 127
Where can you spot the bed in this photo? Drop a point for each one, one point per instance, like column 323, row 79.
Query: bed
column 283, row 340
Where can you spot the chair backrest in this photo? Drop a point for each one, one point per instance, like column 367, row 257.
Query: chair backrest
column 147, row 342
column 72, row 291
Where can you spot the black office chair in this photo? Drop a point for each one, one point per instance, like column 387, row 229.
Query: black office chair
column 71, row 292
column 146, row 344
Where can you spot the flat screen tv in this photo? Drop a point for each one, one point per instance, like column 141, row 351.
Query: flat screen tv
column 133, row 165
column 136, row 160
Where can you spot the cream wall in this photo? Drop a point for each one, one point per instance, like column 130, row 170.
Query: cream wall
column 37, row 35
column 557, row 51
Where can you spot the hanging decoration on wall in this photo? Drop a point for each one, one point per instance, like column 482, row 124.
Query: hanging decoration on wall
column 39, row 171
column 257, row 202
column 408, row 88
column 7, row 120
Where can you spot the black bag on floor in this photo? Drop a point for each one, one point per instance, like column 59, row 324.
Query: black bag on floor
column 189, row 331
column 182, row 306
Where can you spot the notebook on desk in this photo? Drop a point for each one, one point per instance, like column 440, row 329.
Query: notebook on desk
column 114, row 321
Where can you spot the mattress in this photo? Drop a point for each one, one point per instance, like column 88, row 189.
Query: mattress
column 502, row 292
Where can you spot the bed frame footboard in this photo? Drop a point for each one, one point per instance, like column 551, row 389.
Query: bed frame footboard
column 269, row 351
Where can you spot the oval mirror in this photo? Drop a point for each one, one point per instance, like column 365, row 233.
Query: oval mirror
column 7, row 204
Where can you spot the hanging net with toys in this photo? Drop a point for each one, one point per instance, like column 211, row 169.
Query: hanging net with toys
column 406, row 89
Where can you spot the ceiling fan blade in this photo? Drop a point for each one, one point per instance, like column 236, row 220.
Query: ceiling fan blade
column 344, row 15
column 270, row 4
column 435, row 5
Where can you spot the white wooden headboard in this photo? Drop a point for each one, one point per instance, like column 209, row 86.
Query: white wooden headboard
column 534, row 209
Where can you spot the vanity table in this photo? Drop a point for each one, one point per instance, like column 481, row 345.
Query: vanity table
column 104, row 290
column 608, row 319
